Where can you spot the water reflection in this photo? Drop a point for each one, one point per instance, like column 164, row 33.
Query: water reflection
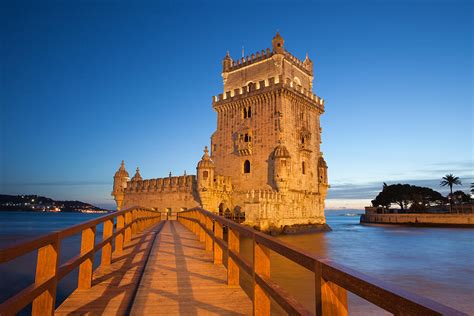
column 433, row 262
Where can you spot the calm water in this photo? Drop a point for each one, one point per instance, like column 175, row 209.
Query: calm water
column 434, row 262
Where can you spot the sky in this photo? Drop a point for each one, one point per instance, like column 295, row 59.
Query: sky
column 85, row 84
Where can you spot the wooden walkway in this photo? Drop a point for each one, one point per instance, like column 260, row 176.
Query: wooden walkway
column 160, row 272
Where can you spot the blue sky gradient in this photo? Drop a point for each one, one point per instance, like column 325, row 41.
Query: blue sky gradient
column 86, row 84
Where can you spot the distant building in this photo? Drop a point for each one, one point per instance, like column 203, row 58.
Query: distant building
column 265, row 158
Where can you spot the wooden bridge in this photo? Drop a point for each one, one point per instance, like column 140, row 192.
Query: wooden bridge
column 189, row 266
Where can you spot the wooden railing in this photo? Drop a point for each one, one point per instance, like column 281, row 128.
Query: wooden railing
column 331, row 280
column 42, row 293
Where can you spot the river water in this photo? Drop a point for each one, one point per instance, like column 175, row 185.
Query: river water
column 434, row 262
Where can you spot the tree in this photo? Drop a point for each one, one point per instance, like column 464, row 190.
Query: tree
column 460, row 197
column 450, row 180
column 407, row 197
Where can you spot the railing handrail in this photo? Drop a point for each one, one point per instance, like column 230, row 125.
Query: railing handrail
column 380, row 293
column 48, row 271
column 15, row 250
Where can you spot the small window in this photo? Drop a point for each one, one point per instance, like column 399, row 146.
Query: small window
column 247, row 138
column 244, row 113
column 205, row 174
column 247, row 166
column 302, row 140
column 249, row 112
column 303, row 168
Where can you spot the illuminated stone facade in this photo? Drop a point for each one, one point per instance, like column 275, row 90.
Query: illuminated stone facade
column 265, row 156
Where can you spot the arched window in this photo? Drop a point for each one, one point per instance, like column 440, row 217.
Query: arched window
column 244, row 113
column 303, row 168
column 247, row 166
column 249, row 112
column 205, row 174
column 247, row 138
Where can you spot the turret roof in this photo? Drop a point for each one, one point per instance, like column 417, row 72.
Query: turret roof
column 121, row 172
column 206, row 161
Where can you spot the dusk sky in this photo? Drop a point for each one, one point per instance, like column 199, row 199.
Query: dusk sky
column 85, row 84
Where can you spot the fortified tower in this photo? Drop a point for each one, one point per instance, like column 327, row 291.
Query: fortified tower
column 268, row 137
column 265, row 156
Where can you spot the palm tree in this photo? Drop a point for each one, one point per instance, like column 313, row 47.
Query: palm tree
column 450, row 180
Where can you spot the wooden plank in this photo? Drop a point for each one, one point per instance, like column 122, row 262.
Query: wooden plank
column 182, row 279
column 113, row 286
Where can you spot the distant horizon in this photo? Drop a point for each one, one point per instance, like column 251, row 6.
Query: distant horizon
column 88, row 84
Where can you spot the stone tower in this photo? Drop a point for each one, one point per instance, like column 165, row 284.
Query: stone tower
column 265, row 160
column 268, row 137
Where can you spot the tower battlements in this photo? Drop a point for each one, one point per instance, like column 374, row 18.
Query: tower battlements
column 167, row 184
column 263, row 86
column 230, row 64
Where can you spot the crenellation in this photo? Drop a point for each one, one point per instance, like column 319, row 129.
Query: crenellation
column 270, row 83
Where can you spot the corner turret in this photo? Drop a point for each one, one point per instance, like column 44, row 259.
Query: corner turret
column 322, row 171
column 281, row 159
column 226, row 62
column 205, row 171
column 121, row 178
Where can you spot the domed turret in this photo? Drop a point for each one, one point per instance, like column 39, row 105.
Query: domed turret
column 205, row 171
column 277, row 44
column 281, row 160
column 322, row 170
column 281, row 152
column 120, row 183
column 121, row 172
column 137, row 176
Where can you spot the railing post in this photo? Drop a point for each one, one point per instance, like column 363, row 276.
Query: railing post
column 119, row 238
column 46, row 268
column 232, row 267
column 318, row 300
column 195, row 226
column 107, row 249
column 134, row 221
column 330, row 298
column 208, row 225
column 261, row 267
column 202, row 233
column 218, row 233
column 85, row 269
column 128, row 230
